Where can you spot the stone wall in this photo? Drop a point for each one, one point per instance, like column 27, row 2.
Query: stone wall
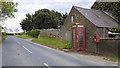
column 48, row 32
column 108, row 47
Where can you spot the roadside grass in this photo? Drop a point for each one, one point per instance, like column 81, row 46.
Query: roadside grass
column 112, row 59
column 52, row 42
column 24, row 36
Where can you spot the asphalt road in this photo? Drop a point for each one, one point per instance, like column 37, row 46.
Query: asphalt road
column 19, row 52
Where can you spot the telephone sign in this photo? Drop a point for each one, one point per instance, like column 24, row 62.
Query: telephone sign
column 78, row 36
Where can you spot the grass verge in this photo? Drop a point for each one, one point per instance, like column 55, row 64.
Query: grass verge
column 52, row 42
column 112, row 59
column 24, row 36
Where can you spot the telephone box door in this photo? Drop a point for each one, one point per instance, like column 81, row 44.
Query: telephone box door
column 74, row 38
column 78, row 37
column 81, row 37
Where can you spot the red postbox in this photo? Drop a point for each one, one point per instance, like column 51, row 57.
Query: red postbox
column 97, row 38
column 78, row 36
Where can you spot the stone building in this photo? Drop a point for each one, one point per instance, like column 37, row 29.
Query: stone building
column 95, row 22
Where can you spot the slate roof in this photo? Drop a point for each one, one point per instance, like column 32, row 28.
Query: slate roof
column 98, row 17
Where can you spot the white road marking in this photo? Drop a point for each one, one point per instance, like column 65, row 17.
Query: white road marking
column 46, row 65
column 115, row 65
column 27, row 49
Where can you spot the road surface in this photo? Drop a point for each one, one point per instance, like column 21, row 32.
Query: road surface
column 19, row 52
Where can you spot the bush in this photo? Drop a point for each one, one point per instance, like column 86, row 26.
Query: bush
column 34, row 33
column 3, row 33
column 18, row 33
column 68, row 45
column 10, row 33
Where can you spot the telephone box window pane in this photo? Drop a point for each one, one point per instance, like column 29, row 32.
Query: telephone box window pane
column 81, row 36
column 74, row 36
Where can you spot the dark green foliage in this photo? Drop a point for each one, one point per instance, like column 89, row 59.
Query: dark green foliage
column 27, row 23
column 112, row 7
column 10, row 33
column 107, row 6
column 116, row 11
column 46, row 19
column 114, row 30
column 34, row 33
column 3, row 33
column 43, row 19
column 18, row 33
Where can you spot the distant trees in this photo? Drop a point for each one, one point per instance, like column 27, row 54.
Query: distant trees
column 43, row 19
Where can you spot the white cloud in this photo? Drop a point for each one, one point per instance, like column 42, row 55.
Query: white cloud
column 13, row 23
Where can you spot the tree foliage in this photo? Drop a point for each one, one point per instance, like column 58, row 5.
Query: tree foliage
column 43, row 19
column 7, row 9
column 34, row 33
column 27, row 23
column 116, row 11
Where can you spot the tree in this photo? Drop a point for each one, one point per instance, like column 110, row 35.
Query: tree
column 7, row 9
column 43, row 19
column 46, row 19
column 27, row 23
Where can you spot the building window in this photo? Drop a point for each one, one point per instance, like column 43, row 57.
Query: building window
column 72, row 18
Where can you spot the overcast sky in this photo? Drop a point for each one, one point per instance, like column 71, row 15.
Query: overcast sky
column 30, row 6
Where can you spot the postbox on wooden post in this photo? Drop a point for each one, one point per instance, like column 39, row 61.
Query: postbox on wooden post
column 78, row 36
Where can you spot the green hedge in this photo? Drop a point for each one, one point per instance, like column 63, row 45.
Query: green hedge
column 14, row 33
column 3, row 33
column 34, row 33
column 18, row 33
column 10, row 33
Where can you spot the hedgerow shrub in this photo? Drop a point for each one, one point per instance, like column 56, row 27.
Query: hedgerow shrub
column 34, row 33
column 3, row 33
column 18, row 33
column 10, row 33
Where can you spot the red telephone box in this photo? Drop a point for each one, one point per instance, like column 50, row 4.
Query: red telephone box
column 78, row 36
